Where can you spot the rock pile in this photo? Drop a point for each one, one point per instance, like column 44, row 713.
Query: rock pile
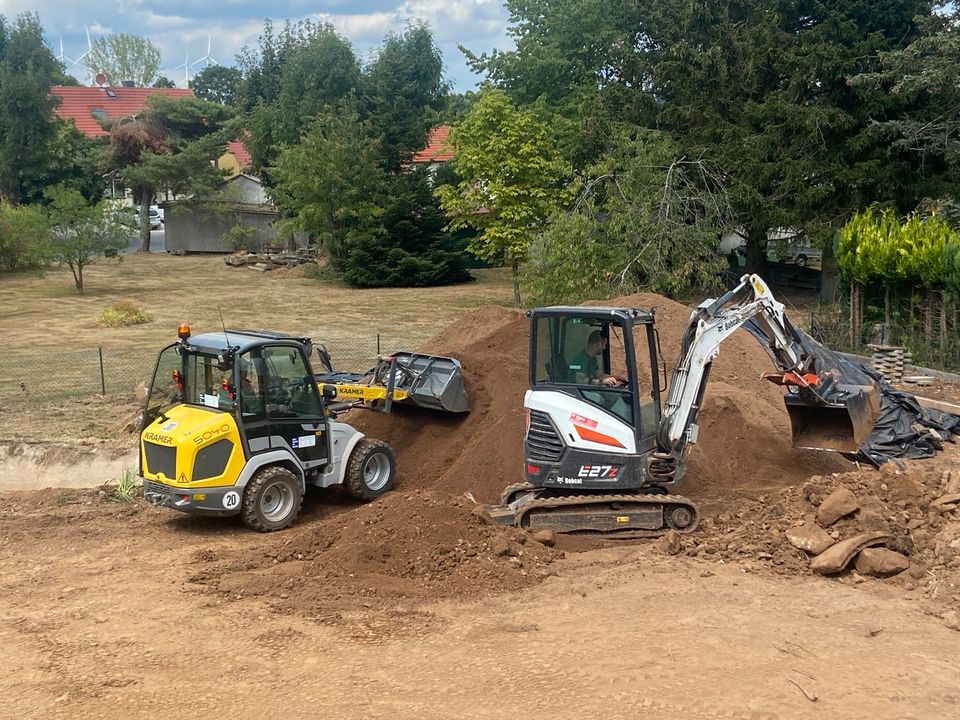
column 271, row 260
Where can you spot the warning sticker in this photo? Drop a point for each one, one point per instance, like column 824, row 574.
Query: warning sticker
column 304, row 441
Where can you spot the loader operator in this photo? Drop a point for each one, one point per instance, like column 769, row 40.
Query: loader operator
column 586, row 362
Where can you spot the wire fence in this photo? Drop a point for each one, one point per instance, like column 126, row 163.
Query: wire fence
column 41, row 376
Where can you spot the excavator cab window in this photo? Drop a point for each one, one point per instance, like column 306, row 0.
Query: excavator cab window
column 603, row 360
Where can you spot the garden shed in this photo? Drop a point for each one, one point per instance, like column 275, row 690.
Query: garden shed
column 237, row 216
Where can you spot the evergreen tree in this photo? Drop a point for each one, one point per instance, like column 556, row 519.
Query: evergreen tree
column 414, row 249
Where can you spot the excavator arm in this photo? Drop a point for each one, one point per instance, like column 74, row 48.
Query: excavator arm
column 823, row 415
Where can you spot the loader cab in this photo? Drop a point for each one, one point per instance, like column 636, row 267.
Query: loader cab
column 262, row 380
column 573, row 349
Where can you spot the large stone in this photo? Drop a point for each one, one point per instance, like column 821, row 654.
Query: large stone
column 880, row 562
column 809, row 538
column 671, row 543
column 545, row 537
column 838, row 556
column 839, row 503
column 947, row 502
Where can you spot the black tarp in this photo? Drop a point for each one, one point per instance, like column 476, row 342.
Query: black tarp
column 904, row 429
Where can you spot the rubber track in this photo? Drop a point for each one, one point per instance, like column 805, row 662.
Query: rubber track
column 637, row 499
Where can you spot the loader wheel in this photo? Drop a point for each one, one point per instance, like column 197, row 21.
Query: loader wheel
column 370, row 470
column 272, row 499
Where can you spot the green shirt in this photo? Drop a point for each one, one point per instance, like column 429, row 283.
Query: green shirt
column 586, row 364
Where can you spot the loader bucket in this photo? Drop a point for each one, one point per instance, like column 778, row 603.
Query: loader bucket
column 431, row 381
column 840, row 427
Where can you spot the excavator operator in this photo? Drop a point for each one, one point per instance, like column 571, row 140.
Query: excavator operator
column 587, row 362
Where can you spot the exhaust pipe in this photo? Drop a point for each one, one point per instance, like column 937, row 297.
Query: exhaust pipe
column 840, row 426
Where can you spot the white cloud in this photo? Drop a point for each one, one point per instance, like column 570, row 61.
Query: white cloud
column 181, row 29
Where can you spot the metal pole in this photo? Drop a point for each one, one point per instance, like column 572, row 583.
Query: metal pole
column 103, row 382
column 378, row 344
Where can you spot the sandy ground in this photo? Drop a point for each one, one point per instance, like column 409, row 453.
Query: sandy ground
column 102, row 618
column 409, row 608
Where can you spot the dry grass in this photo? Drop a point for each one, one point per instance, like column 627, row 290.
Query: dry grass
column 50, row 374
column 47, row 313
column 123, row 314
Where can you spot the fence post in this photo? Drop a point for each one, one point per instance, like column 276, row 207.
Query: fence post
column 378, row 344
column 103, row 382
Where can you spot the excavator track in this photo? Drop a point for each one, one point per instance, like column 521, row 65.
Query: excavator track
column 625, row 516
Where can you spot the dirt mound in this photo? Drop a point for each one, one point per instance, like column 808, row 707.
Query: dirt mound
column 745, row 432
column 407, row 545
column 900, row 502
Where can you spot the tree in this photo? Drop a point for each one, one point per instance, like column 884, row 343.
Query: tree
column 331, row 183
column 646, row 219
column 217, row 83
column 164, row 82
column 173, row 144
column 414, row 249
column 27, row 127
column 21, row 231
column 923, row 75
column 289, row 80
column 511, row 180
column 404, row 91
column 123, row 57
column 761, row 87
column 81, row 232
column 73, row 161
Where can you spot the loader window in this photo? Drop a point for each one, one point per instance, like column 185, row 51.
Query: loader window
column 290, row 390
column 202, row 383
column 164, row 390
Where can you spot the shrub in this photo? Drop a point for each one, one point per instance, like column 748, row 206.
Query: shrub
column 122, row 314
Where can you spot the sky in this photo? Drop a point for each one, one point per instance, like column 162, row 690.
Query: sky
column 181, row 29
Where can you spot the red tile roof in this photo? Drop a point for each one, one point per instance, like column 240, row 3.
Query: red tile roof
column 241, row 153
column 79, row 103
column 437, row 149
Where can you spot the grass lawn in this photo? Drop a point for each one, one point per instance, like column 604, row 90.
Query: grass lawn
column 52, row 337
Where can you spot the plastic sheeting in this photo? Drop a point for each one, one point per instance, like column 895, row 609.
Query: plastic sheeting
column 904, row 429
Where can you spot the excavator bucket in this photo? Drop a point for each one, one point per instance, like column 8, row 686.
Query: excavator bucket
column 430, row 381
column 841, row 427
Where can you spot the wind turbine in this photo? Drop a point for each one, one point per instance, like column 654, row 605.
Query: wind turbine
column 186, row 70
column 74, row 63
column 210, row 60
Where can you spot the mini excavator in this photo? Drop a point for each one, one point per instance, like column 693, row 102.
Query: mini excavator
column 600, row 453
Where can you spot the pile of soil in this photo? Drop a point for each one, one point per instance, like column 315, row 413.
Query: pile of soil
column 899, row 501
column 405, row 546
column 744, row 446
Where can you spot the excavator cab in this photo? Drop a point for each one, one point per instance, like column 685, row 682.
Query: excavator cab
column 593, row 370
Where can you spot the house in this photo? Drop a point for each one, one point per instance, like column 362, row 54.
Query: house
column 437, row 152
column 88, row 107
column 236, row 160
column 92, row 107
column 207, row 224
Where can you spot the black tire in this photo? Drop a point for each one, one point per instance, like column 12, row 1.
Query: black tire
column 801, row 260
column 370, row 469
column 271, row 500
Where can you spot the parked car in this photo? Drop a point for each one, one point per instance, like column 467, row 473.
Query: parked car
column 131, row 216
column 799, row 253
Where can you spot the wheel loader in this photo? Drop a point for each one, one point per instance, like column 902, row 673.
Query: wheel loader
column 602, row 453
column 237, row 423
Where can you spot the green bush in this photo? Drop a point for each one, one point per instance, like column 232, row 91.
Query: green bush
column 123, row 314
column 23, row 233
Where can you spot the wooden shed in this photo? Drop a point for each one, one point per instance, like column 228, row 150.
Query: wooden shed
column 203, row 224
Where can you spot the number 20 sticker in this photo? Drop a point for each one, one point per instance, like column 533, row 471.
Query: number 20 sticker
column 231, row 500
